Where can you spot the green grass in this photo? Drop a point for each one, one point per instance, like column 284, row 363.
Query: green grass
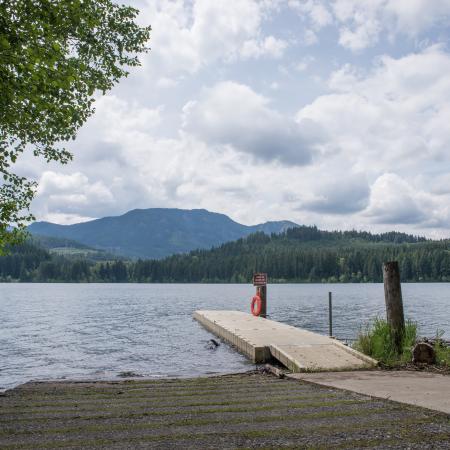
column 375, row 340
column 442, row 355
column 442, row 351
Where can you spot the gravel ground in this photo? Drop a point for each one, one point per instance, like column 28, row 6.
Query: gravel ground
column 252, row 410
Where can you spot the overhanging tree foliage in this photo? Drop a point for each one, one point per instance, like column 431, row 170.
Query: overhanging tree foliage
column 54, row 56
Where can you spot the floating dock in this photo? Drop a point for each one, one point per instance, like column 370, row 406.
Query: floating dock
column 299, row 350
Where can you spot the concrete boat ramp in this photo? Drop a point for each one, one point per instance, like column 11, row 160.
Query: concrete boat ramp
column 299, row 350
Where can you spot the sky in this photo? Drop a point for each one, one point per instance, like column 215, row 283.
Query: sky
column 327, row 112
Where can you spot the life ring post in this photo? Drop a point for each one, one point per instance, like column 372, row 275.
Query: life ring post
column 260, row 282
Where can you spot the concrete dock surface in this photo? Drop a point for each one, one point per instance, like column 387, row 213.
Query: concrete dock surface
column 299, row 350
column 428, row 390
column 250, row 410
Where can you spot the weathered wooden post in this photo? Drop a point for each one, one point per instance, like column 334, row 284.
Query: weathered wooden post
column 263, row 295
column 330, row 314
column 394, row 302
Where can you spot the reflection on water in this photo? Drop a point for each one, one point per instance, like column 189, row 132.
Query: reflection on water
column 101, row 330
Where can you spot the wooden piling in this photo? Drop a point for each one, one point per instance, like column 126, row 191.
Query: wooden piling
column 394, row 302
column 263, row 294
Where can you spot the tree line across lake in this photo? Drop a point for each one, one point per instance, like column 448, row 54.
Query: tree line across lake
column 303, row 254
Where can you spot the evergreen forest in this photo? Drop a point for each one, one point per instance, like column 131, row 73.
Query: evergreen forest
column 301, row 254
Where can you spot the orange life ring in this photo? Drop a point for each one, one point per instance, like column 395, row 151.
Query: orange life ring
column 256, row 305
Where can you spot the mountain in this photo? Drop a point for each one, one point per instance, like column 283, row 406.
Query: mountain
column 156, row 232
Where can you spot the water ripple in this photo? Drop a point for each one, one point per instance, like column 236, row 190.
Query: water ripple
column 53, row 331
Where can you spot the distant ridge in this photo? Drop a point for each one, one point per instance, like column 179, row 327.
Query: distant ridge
column 156, row 232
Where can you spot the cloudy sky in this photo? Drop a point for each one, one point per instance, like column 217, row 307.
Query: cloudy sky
column 327, row 112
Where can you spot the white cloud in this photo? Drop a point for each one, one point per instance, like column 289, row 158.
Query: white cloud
column 394, row 201
column 415, row 16
column 233, row 114
column 361, row 36
column 394, row 112
column 317, row 11
column 270, row 46
column 314, row 15
column 64, row 218
column 347, row 195
column 69, row 197
column 274, row 86
column 362, row 22
column 309, row 38
column 392, row 118
column 440, row 184
column 165, row 82
column 188, row 36
column 304, row 63
column 115, row 115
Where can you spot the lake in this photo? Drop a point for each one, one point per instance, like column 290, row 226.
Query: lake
column 52, row 331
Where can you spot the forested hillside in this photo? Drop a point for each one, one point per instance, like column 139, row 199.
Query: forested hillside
column 306, row 254
column 303, row 254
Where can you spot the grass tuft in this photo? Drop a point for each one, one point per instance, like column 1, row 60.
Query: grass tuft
column 376, row 340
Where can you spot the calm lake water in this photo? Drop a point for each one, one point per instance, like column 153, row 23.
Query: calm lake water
column 100, row 330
